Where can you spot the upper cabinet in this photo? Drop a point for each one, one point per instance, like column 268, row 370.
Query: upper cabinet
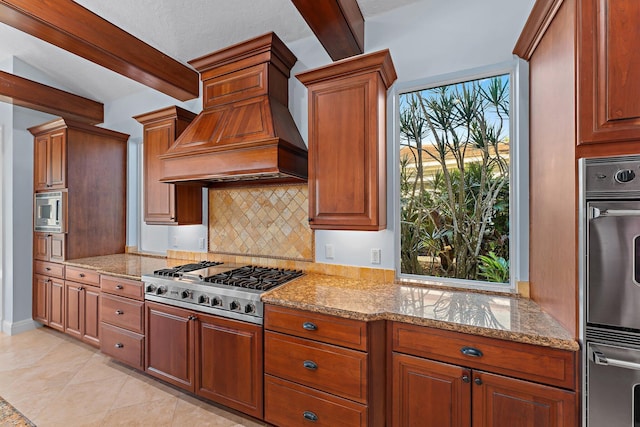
column 347, row 142
column 169, row 204
column 608, row 71
column 50, row 161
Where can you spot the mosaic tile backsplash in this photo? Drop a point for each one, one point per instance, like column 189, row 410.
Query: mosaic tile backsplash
column 268, row 221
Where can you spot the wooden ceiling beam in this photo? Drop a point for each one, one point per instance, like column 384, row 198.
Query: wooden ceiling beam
column 71, row 27
column 338, row 24
column 36, row 96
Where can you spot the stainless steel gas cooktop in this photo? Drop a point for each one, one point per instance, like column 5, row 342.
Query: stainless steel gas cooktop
column 228, row 290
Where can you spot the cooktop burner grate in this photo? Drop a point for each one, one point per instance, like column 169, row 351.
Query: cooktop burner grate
column 178, row 270
column 254, row 277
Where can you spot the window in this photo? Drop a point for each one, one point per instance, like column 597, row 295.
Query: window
column 455, row 156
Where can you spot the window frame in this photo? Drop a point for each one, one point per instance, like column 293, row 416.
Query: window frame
column 518, row 171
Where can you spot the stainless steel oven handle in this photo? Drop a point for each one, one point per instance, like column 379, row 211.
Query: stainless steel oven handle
column 599, row 358
column 595, row 212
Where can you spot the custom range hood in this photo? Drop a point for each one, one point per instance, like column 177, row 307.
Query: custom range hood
column 245, row 131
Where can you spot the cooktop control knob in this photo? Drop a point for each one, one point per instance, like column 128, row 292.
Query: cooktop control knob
column 185, row 294
column 625, row 175
column 161, row 290
column 203, row 299
column 151, row 289
column 235, row 305
column 250, row 308
column 216, row 301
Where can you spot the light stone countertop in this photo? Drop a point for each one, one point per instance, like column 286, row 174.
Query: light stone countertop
column 499, row 316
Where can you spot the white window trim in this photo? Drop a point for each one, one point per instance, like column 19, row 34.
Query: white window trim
column 518, row 176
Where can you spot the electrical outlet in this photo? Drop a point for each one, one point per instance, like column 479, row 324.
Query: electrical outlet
column 376, row 254
column 201, row 242
column 329, row 252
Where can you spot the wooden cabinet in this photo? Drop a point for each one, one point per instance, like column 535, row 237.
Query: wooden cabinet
column 215, row 358
column 122, row 325
column 48, row 294
column 429, row 392
column 50, row 161
column 49, row 246
column 170, row 204
column 323, row 369
column 82, row 305
column 347, row 142
column 90, row 163
column 609, row 71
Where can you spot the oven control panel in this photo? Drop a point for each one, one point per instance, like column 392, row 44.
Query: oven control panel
column 612, row 177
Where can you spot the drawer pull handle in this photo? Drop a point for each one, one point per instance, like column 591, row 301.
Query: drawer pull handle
column 192, row 317
column 310, row 365
column 309, row 326
column 119, row 312
column 470, row 351
column 478, row 381
column 48, row 268
column 465, row 378
column 81, row 274
column 119, row 287
column 79, row 288
column 119, row 345
column 310, row 416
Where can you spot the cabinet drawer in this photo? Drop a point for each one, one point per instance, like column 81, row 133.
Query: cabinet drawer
column 320, row 327
column 82, row 275
column 123, row 287
column 326, row 367
column 49, row 269
column 122, row 312
column 122, row 345
column 289, row 404
column 536, row 363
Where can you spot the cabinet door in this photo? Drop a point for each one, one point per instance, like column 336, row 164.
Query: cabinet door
column 41, row 249
column 609, row 70
column 229, row 360
column 40, row 176
column 501, row 401
column 41, row 299
column 56, row 304
column 57, row 247
column 159, row 203
column 57, row 160
column 430, row 394
column 73, row 312
column 91, row 318
column 169, row 350
column 346, row 166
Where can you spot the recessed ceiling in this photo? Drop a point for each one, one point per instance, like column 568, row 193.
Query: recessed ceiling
column 182, row 29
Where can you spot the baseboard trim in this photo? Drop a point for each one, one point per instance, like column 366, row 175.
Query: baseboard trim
column 15, row 328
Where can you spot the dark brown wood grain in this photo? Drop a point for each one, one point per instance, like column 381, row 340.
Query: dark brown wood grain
column 36, row 96
column 539, row 19
column 338, row 25
column 70, row 26
column 165, row 203
column 347, row 142
column 123, row 312
column 123, row 345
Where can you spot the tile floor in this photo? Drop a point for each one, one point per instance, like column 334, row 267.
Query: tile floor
column 55, row 380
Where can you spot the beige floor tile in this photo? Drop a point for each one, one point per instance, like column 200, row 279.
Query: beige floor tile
column 40, row 378
column 96, row 369
column 90, row 420
column 136, row 391
column 32, row 404
column 156, row 413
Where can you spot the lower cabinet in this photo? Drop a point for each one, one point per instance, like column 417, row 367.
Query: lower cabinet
column 48, row 294
column 218, row 359
column 437, row 393
column 82, row 312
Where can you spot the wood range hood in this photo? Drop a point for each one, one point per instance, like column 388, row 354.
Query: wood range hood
column 245, row 133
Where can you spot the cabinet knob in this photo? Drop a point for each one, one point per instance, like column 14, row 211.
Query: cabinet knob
column 119, row 287
column 309, row 326
column 310, row 219
column 310, row 365
column 470, row 351
column 119, row 345
column 119, row 312
column 309, row 416
column 80, row 288
column 192, row 317
column 477, row 380
column 81, row 274
column 465, row 378
column 48, row 268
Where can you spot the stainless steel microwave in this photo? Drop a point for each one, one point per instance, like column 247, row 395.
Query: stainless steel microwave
column 49, row 213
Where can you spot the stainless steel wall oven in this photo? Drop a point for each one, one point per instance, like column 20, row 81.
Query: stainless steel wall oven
column 611, row 311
